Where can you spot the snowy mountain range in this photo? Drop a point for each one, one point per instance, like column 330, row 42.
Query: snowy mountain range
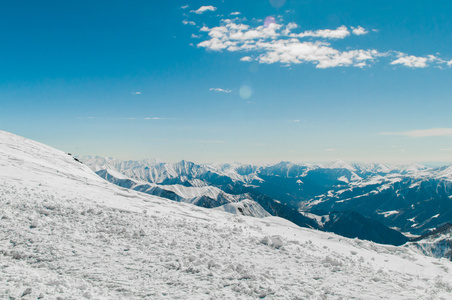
column 411, row 199
column 68, row 233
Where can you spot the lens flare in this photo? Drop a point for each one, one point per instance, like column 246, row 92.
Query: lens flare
column 277, row 3
column 245, row 92
column 268, row 21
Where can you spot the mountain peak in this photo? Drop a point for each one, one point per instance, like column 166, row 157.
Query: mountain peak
column 340, row 164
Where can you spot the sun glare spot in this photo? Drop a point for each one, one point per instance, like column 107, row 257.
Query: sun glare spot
column 245, row 92
column 268, row 21
column 277, row 3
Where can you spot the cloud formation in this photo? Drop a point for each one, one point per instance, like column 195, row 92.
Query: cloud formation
column 411, row 61
column 186, row 22
column 286, row 44
column 136, row 93
column 279, row 44
column 359, row 30
column 422, row 132
column 203, row 9
column 338, row 33
column 246, row 58
column 220, row 90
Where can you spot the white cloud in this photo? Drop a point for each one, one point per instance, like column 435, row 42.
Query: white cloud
column 185, row 22
column 246, row 58
column 278, row 44
column 155, row 118
column 194, row 36
column 338, row 33
column 289, row 27
column 423, row 132
column 415, row 61
column 411, row 61
column 203, row 9
column 184, row 6
column 220, row 90
column 294, row 121
column 136, row 93
column 319, row 53
column 359, row 30
column 236, row 13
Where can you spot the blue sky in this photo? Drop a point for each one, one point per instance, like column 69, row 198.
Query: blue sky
column 211, row 81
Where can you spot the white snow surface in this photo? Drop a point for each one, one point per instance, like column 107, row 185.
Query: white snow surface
column 343, row 178
column 68, row 234
column 447, row 173
column 154, row 171
column 192, row 192
column 339, row 164
column 188, row 194
column 246, row 208
column 389, row 213
column 436, row 245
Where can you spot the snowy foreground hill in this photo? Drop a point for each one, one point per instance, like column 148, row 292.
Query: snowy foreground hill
column 65, row 233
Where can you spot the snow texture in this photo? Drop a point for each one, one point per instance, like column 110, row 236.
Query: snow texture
column 68, row 234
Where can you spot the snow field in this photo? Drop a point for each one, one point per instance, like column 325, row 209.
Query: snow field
column 67, row 234
column 74, row 250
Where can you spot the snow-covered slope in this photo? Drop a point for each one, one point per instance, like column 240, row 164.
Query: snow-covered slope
column 68, row 234
column 202, row 195
column 183, row 172
column 245, row 208
column 420, row 195
column 437, row 243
